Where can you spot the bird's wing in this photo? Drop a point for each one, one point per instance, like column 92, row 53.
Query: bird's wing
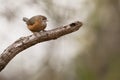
column 31, row 21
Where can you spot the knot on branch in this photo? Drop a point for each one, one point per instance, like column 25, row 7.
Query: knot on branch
column 76, row 24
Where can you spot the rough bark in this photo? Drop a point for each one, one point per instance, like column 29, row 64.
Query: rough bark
column 25, row 42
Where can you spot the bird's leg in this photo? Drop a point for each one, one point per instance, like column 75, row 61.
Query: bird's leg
column 43, row 30
column 36, row 33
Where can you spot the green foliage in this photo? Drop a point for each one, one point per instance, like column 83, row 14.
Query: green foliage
column 114, row 69
column 84, row 72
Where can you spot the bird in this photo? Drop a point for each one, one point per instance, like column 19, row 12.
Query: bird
column 36, row 23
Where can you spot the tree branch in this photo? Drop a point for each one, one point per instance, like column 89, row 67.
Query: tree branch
column 25, row 42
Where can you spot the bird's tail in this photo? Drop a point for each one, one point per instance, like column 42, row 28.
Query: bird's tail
column 25, row 19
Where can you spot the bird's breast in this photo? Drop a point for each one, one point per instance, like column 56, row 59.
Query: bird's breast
column 36, row 27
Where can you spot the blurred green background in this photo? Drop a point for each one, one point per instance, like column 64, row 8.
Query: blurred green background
column 91, row 53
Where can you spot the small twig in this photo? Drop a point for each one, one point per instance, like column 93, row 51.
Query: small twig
column 25, row 42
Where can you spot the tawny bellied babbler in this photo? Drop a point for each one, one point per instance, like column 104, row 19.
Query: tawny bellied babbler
column 36, row 23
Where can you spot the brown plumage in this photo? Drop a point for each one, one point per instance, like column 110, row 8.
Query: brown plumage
column 36, row 23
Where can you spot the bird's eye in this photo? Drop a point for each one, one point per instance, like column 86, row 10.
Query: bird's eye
column 43, row 18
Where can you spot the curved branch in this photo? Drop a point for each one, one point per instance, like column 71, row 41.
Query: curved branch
column 25, row 42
